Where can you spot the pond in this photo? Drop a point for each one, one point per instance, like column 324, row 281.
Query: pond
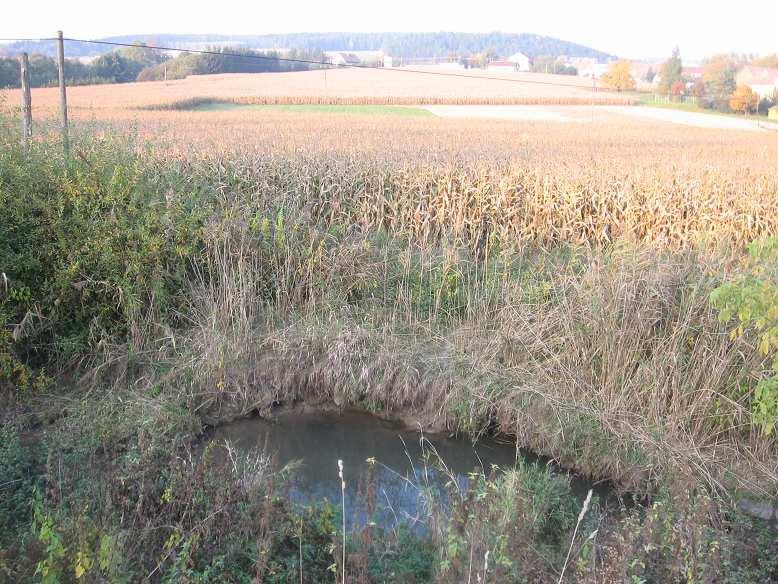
column 408, row 465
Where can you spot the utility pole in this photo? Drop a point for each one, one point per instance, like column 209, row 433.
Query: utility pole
column 63, row 100
column 24, row 64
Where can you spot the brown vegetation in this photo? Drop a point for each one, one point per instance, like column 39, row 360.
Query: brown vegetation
column 550, row 282
column 348, row 85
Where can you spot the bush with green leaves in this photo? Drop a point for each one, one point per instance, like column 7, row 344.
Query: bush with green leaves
column 752, row 301
column 92, row 254
column 19, row 478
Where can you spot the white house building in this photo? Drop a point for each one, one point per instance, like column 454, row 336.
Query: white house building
column 595, row 70
column 520, row 61
column 366, row 58
column 342, row 58
column 763, row 80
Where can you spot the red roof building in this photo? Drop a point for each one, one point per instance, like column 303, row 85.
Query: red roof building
column 693, row 72
column 762, row 80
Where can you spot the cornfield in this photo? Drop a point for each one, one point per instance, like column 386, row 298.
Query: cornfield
column 473, row 180
column 341, row 86
column 405, row 218
column 420, row 100
column 549, row 282
column 620, row 180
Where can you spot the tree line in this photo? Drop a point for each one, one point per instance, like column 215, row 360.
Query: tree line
column 423, row 45
column 231, row 60
column 716, row 88
column 142, row 63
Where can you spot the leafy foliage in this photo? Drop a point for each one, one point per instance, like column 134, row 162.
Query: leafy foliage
column 228, row 60
column 515, row 524
column 719, row 78
column 88, row 250
column 619, row 76
column 671, row 71
column 770, row 61
column 753, row 301
column 744, row 100
column 19, row 478
column 120, row 66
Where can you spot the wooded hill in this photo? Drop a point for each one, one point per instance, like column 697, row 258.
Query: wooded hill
column 402, row 45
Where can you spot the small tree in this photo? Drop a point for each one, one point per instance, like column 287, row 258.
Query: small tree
column 767, row 102
column 671, row 71
column 116, row 66
column 619, row 76
column 770, row 61
column 744, row 100
column 678, row 89
column 719, row 77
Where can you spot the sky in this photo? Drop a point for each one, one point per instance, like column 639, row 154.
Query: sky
column 628, row 29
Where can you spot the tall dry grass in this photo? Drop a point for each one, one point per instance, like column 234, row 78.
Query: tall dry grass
column 498, row 288
column 608, row 359
column 549, row 282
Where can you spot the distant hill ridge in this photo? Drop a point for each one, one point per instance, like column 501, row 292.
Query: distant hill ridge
column 403, row 45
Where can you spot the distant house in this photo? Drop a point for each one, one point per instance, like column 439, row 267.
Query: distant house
column 375, row 58
column 693, row 73
column 645, row 72
column 594, row 71
column 581, row 63
column 763, row 80
column 343, row 59
column 520, row 60
column 451, row 65
column 502, row 66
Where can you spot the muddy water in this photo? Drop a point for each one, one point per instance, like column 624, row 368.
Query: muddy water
column 407, row 463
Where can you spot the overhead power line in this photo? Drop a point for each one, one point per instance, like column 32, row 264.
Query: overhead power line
column 259, row 56
column 328, row 64
column 312, row 62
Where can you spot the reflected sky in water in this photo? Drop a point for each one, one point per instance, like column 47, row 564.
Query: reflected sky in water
column 408, row 464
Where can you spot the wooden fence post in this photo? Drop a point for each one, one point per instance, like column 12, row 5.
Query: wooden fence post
column 63, row 100
column 24, row 63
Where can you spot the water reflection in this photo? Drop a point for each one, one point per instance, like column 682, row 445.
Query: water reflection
column 408, row 465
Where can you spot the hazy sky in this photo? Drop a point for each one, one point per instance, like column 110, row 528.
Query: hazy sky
column 629, row 29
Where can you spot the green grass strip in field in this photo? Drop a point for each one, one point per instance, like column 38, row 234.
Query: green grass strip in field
column 372, row 110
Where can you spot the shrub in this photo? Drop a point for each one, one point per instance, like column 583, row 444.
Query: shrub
column 744, row 100
column 93, row 254
column 753, row 301
column 19, row 477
